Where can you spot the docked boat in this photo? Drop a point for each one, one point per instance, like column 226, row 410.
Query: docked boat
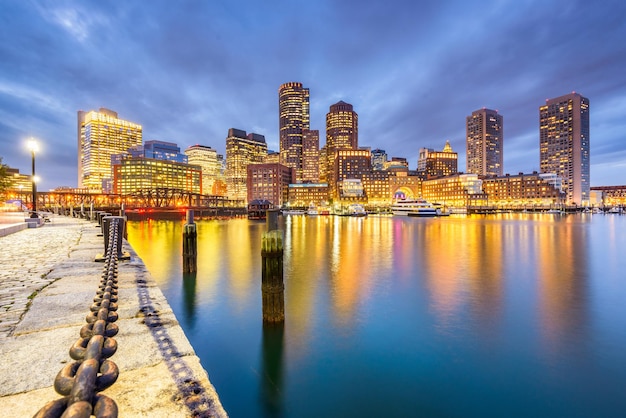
column 356, row 210
column 312, row 211
column 294, row 212
column 415, row 207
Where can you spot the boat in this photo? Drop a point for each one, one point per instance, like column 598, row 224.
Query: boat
column 415, row 207
column 457, row 210
column 312, row 211
column 294, row 212
column 556, row 211
column 356, row 210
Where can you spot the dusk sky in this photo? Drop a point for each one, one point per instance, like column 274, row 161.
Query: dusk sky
column 413, row 70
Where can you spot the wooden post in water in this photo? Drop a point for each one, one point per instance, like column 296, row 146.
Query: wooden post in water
column 272, row 286
column 190, row 245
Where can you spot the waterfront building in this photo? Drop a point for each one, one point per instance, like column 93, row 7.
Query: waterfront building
column 376, row 187
column 610, row 195
column 456, row 191
column 241, row 150
column 402, row 185
column 311, row 156
column 437, row 163
column 564, row 144
column 294, row 119
column 19, row 182
column 208, row 160
column 134, row 175
column 379, row 158
column 302, row 195
column 270, row 182
column 485, row 143
column 529, row 190
column 397, row 163
column 348, row 164
column 102, row 134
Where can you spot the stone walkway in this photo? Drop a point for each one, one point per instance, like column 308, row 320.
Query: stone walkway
column 48, row 279
column 26, row 258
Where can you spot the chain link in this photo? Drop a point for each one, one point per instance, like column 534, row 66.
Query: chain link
column 91, row 372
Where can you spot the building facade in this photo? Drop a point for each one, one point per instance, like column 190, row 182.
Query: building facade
column 379, row 158
column 311, row 156
column 270, row 182
column 455, row 191
column 241, row 150
column 100, row 135
column 302, row 195
column 564, row 144
column 342, row 133
column 207, row 159
column 294, row 119
column 529, row 190
column 133, row 174
column 348, row 164
column 435, row 164
column 485, row 143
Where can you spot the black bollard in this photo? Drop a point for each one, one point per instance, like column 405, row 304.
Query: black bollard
column 190, row 245
column 272, row 286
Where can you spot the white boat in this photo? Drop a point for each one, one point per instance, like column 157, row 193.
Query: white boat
column 294, row 212
column 457, row 211
column 414, row 207
column 312, row 211
column 356, row 210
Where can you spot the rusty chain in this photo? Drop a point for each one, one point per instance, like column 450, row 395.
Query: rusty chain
column 92, row 371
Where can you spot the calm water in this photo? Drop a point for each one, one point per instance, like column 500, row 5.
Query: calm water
column 512, row 315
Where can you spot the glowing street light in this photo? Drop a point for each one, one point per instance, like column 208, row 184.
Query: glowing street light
column 33, row 147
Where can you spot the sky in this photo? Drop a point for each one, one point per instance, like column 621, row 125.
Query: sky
column 187, row 71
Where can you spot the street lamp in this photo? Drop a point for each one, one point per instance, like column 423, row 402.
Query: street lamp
column 32, row 146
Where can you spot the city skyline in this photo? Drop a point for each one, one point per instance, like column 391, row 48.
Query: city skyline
column 412, row 70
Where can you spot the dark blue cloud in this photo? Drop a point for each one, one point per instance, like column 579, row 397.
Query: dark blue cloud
column 188, row 71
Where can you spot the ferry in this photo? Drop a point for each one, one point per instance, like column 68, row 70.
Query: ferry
column 415, row 207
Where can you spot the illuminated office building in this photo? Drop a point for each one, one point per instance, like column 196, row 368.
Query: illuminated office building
column 242, row 149
column 161, row 150
column 134, row 174
column 294, row 119
column 437, row 163
column 342, row 133
column 564, row 144
column 311, row 156
column 100, row 135
column 272, row 157
column 456, row 190
column 485, row 143
column 348, row 164
column 302, row 195
column 269, row 182
column 541, row 190
column 208, row 160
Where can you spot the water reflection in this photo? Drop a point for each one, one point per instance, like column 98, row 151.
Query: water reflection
column 509, row 307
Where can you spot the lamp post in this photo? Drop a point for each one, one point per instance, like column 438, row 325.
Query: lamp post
column 32, row 146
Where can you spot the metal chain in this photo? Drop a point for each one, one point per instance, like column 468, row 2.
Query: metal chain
column 91, row 372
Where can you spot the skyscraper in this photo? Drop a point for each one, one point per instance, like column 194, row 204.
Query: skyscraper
column 342, row 133
column 100, row 135
column 379, row 158
column 241, row 150
column 294, row 119
column 485, row 143
column 564, row 144
column 311, row 156
column 207, row 158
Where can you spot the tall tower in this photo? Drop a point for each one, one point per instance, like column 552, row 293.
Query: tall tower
column 311, row 156
column 342, row 133
column 242, row 150
column 564, row 144
column 294, row 119
column 485, row 140
column 100, row 135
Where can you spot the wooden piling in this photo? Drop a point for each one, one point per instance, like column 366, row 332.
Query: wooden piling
column 272, row 286
column 190, row 245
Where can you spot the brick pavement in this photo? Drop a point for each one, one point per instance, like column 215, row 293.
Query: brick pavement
column 26, row 258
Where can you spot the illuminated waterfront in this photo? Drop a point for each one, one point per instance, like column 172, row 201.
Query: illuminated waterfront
column 515, row 315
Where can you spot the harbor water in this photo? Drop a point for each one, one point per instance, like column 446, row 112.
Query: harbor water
column 512, row 315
